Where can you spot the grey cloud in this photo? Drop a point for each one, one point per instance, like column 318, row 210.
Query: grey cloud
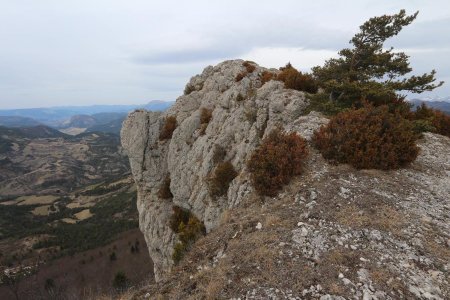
column 429, row 34
column 234, row 42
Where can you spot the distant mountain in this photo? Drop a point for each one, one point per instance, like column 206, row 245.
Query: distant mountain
column 442, row 104
column 112, row 126
column 52, row 116
column 79, row 121
column 101, row 122
column 40, row 131
column 17, row 121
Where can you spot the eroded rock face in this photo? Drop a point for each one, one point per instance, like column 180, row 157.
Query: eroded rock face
column 242, row 114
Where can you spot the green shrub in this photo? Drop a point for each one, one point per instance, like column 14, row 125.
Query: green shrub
column 276, row 161
column 433, row 120
column 113, row 256
column 178, row 216
column 218, row 184
column 178, row 252
column 369, row 137
column 321, row 102
column 120, row 281
column 164, row 190
column 170, row 124
column 188, row 227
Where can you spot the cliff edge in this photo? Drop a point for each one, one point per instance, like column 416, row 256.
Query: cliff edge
column 332, row 233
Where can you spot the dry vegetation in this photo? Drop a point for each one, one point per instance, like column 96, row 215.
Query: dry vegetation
column 169, row 126
column 188, row 227
column 205, row 118
column 237, row 258
column 293, row 79
column 219, row 182
column 369, row 137
column 276, row 161
column 267, row 76
column 249, row 68
column 164, row 190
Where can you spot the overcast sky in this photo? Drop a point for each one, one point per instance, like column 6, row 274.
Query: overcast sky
column 82, row 52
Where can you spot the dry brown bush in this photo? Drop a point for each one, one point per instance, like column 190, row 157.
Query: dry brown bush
column 170, row 124
column 276, row 161
column 224, row 173
column 240, row 76
column 293, row 79
column 267, row 76
column 368, row 138
column 249, row 66
column 164, row 190
column 205, row 115
column 205, row 118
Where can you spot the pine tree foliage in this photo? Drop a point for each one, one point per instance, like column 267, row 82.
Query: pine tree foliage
column 368, row 71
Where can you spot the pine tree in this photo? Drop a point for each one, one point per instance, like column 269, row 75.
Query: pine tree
column 367, row 71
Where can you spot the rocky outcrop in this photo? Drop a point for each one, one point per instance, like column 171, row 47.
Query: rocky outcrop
column 332, row 233
column 242, row 114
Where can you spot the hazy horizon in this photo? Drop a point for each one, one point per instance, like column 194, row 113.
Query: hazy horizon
column 85, row 105
column 79, row 53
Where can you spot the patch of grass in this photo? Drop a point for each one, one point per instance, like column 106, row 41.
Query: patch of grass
column 382, row 217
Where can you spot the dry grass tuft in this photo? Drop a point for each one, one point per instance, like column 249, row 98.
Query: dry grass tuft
column 170, row 124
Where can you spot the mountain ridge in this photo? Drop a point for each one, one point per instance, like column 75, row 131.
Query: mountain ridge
column 317, row 239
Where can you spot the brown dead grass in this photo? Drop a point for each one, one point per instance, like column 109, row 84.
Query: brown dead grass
column 383, row 217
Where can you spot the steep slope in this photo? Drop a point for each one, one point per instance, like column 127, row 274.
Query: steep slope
column 332, row 232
